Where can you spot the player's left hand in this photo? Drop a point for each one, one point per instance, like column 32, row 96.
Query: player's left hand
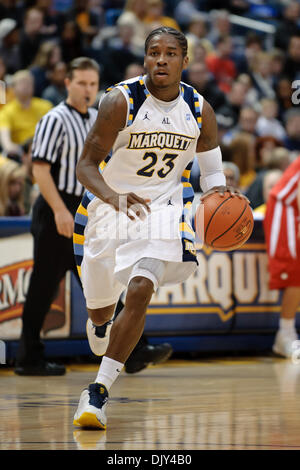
column 222, row 190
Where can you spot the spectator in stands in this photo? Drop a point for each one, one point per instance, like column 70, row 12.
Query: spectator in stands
column 9, row 93
column 277, row 64
column 270, row 178
column 234, row 102
column 284, row 91
column 267, row 123
column 242, row 154
column 264, row 147
column 221, row 26
column 71, row 41
column 155, row 15
column 185, row 11
column 31, row 36
column 19, row 117
column 87, row 20
column 9, row 45
column 221, row 65
column 133, row 70
column 251, row 93
column 246, row 123
column 276, row 158
column 199, row 77
column 197, row 34
column 56, row 91
column 48, row 55
column 292, row 64
column 12, row 179
column 292, row 125
column 134, row 15
column 288, row 26
column 232, row 174
column 261, row 75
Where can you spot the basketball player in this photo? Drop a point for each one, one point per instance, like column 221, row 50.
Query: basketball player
column 282, row 233
column 146, row 135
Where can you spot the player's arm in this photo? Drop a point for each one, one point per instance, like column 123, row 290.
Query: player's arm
column 209, row 156
column 111, row 119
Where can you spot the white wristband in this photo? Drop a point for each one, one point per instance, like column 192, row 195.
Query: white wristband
column 211, row 169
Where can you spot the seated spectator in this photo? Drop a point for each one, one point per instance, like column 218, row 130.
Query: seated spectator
column 220, row 26
column 242, row 154
column 56, row 91
column 197, row 34
column 12, row 179
column 9, row 45
column 246, row 123
column 288, row 26
column 7, row 91
column 134, row 15
column 133, row 70
column 199, row 77
column 185, row 11
column 292, row 125
column 221, row 65
column 31, row 36
column 284, row 91
column 267, row 124
column 276, row 159
column 48, row 55
column 277, row 64
column 264, row 147
column 251, row 93
column 270, row 178
column 253, row 46
column 232, row 174
column 261, row 75
column 292, row 64
column 87, row 20
column 19, row 117
column 71, row 42
column 155, row 15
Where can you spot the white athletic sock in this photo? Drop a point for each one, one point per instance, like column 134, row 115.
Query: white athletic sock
column 109, row 371
column 287, row 324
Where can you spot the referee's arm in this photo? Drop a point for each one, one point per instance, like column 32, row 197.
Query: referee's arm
column 47, row 138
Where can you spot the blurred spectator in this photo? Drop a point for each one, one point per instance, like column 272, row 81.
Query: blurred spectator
column 133, row 70
column 277, row 64
column 247, row 123
column 242, row 154
column 155, row 15
column 9, row 93
column 251, row 97
column 270, row 178
column 196, row 34
column 221, row 65
column 253, row 46
column 232, row 174
column 261, row 75
column 185, row 11
column 71, row 41
column 13, row 9
column 19, row 117
column 292, row 64
column 264, row 147
column 9, row 45
column 276, row 159
column 12, row 179
column 56, row 91
column 52, row 19
column 31, row 36
column 267, row 124
column 134, row 15
column 199, row 77
column 288, row 26
column 284, row 93
column 87, row 19
column 234, row 102
column 292, row 125
column 48, row 55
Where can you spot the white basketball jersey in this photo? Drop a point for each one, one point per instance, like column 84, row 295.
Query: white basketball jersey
column 153, row 154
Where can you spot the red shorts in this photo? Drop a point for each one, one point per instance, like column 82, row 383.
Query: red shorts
column 283, row 245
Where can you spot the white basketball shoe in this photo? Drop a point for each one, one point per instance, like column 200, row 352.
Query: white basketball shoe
column 285, row 343
column 91, row 411
column 98, row 336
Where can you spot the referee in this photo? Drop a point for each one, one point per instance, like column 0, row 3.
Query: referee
column 57, row 145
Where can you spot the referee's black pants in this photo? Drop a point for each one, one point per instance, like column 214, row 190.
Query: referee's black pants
column 53, row 256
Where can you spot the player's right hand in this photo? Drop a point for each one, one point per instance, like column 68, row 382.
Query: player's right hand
column 64, row 222
column 131, row 204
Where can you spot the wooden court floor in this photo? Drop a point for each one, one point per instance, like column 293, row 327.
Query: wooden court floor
column 246, row 403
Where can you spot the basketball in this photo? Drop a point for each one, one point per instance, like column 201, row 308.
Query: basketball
column 224, row 223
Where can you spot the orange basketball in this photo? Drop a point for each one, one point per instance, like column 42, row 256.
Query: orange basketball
column 224, row 223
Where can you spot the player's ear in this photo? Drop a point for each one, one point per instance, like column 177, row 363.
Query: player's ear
column 185, row 62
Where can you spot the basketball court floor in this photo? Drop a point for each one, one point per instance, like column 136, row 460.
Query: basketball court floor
column 226, row 404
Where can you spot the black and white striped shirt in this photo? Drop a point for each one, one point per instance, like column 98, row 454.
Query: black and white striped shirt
column 58, row 140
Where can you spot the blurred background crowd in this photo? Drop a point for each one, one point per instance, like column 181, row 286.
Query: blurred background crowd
column 244, row 59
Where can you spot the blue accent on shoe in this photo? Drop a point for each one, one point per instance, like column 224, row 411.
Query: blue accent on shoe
column 100, row 331
column 98, row 395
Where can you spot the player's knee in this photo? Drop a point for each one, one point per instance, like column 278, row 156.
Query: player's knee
column 139, row 292
column 99, row 316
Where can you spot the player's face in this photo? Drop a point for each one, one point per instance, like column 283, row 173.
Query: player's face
column 82, row 88
column 164, row 61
